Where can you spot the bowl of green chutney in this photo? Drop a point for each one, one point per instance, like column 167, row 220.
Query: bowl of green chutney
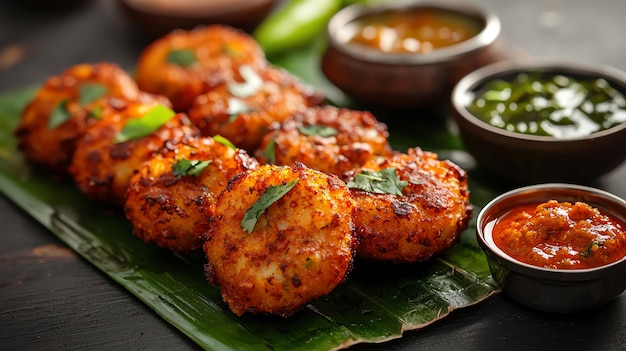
column 543, row 121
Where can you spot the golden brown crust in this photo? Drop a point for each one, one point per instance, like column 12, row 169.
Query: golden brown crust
column 219, row 52
column 53, row 147
column 359, row 138
column 173, row 211
column 277, row 98
column 102, row 168
column 427, row 219
column 301, row 247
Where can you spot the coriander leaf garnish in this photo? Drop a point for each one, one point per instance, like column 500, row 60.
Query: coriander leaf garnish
column 181, row 57
column 591, row 248
column 140, row 127
column 237, row 107
column 385, row 181
column 314, row 129
column 220, row 139
column 184, row 167
column 251, row 83
column 59, row 115
column 88, row 93
column 269, row 152
column 271, row 195
column 96, row 112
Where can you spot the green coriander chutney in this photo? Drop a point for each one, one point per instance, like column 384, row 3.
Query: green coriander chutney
column 549, row 105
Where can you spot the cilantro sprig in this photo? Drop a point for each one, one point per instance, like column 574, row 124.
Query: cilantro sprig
column 222, row 140
column 59, row 114
column 140, row 127
column 315, row 129
column 184, row 167
column 385, row 181
column 269, row 196
column 181, row 57
column 269, row 152
column 88, row 93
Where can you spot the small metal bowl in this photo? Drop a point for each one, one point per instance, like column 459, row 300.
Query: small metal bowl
column 405, row 80
column 524, row 158
column 544, row 289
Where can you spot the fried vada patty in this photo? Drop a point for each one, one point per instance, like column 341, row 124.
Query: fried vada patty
column 185, row 64
column 300, row 248
column 326, row 138
column 102, row 165
column 172, row 196
column 64, row 107
column 429, row 216
column 243, row 110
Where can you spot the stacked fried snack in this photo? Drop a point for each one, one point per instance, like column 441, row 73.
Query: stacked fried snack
column 281, row 192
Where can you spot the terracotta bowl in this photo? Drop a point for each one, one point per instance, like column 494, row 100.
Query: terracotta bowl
column 157, row 18
column 405, row 80
column 525, row 159
column 546, row 289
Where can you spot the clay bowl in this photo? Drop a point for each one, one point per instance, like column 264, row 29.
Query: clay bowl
column 157, row 18
column 525, row 158
column 407, row 79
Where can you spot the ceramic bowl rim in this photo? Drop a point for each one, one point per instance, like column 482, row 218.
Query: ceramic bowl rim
column 542, row 272
column 484, row 74
column 487, row 36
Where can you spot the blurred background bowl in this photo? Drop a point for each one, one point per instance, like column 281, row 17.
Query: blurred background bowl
column 411, row 78
column 525, row 158
column 545, row 289
column 159, row 17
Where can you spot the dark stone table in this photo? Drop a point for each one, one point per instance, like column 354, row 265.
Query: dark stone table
column 51, row 299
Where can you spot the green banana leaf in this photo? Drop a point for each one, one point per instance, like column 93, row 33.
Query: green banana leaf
column 378, row 302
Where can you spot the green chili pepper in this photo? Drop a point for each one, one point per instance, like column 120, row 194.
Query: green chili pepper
column 294, row 24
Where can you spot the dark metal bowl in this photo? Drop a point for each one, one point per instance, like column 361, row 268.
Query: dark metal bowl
column 400, row 80
column 552, row 290
column 523, row 158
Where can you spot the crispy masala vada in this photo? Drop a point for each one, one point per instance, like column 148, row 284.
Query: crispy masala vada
column 64, row 107
column 115, row 147
column 244, row 109
column 326, row 138
column 172, row 196
column 282, row 236
column 408, row 207
column 185, row 64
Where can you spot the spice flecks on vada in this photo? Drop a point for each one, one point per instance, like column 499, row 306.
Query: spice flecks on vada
column 408, row 207
column 244, row 109
column 172, row 196
column 281, row 237
column 326, row 138
column 185, row 64
column 65, row 106
column 116, row 146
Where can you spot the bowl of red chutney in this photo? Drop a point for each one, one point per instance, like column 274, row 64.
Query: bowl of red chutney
column 543, row 121
column 556, row 247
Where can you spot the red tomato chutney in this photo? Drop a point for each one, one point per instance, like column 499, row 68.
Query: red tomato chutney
column 560, row 235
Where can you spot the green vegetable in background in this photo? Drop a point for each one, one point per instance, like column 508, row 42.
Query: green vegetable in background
column 294, row 24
